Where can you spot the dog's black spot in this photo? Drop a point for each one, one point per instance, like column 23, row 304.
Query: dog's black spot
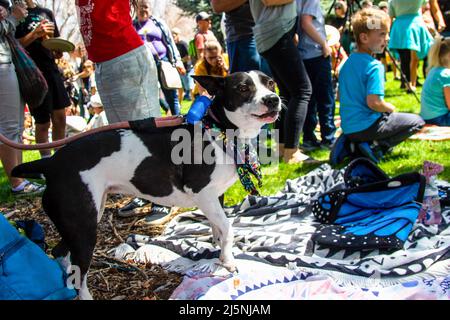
column 86, row 153
column 157, row 175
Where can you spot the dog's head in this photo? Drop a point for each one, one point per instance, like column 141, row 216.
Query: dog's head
column 247, row 100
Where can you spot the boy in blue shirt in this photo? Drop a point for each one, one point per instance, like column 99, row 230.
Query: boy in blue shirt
column 365, row 116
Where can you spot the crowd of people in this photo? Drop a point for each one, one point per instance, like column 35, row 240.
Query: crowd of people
column 119, row 71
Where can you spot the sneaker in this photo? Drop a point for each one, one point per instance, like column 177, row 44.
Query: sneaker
column 158, row 215
column 310, row 145
column 27, row 188
column 130, row 209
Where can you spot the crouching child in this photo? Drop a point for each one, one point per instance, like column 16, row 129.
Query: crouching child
column 365, row 116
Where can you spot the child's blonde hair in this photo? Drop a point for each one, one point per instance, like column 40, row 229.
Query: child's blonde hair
column 211, row 45
column 439, row 54
column 367, row 20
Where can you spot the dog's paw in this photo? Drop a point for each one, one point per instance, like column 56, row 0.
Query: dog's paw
column 230, row 266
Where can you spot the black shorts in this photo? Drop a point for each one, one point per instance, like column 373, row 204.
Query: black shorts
column 56, row 98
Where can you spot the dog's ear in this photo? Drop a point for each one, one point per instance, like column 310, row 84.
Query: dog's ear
column 214, row 85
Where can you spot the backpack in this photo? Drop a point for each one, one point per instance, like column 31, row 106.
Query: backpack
column 26, row 272
column 369, row 210
column 192, row 49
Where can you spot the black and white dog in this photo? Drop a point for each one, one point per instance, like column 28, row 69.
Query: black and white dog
column 80, row 175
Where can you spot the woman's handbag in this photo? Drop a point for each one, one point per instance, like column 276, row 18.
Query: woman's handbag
column 32, row 84
column 170, row 78
column 272, row 3
column 168, row 73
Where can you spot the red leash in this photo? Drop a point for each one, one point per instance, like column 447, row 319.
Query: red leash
column 159, row 122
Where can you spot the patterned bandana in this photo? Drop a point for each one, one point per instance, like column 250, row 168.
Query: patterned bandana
column 244, row 154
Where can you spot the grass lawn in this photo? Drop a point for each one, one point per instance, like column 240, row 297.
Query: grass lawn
column 408, row 156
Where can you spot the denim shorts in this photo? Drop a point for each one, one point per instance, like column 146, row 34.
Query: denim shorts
column 11, row 105
column 128, row 86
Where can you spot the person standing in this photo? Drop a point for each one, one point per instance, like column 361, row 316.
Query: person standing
column 316, row 53
column 11, row 104
column 241, row 44
column 156, row 35
column 186, row 79
column 409, row 36
column 40, row 23
column 274, row 30
column 203, row 34
column 125, row 74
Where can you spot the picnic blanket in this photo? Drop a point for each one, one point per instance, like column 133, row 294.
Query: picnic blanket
column 273, row 249
column 432, row 133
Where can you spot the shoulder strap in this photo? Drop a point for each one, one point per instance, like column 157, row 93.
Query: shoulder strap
column 165, row 40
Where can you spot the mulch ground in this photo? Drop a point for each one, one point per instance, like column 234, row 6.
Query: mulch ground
column 108, row 278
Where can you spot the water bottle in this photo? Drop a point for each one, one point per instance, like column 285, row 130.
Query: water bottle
column 198, row 109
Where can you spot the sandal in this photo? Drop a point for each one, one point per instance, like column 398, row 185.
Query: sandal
column 27, row 188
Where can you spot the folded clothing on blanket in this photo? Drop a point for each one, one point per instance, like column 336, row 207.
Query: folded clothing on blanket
column 369, row 210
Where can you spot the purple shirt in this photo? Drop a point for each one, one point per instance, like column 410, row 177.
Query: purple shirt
column 150, row 33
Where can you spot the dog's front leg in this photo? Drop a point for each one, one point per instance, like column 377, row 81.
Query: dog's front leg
column 213, row 210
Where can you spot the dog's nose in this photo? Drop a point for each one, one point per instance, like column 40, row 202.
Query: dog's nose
column 271, row 101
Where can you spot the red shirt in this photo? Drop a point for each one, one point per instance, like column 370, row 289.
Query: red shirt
column 107, row 28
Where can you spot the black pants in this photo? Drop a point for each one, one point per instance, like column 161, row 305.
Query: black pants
column 390, row 129
column 295, row 88
column 405, row 63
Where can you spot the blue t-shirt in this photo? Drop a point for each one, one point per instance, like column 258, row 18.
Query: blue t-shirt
column 433, row 99
column 360, row 76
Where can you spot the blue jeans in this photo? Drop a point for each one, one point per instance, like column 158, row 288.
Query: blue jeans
column 188, row 82
column 322, row 100
column 171, row 95
column 243, row 56
column 440, row 121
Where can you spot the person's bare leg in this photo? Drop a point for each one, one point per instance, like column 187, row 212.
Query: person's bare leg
column 42, row 137
column 180, row 95
column 413, row 68
column 59, row 124
column 294, row 155
column 10, row 159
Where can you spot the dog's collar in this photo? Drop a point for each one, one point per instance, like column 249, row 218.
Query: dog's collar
column 244, row 154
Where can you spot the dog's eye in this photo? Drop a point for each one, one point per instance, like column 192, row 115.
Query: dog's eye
column 243, row 88
column 271, row 84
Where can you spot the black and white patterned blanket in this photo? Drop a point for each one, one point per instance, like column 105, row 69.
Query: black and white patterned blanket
column 276, row 230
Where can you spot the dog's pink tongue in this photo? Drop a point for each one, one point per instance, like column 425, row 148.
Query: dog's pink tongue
column 270, row 118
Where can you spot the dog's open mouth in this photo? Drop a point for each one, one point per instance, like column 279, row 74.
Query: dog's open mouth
column 267, row 117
